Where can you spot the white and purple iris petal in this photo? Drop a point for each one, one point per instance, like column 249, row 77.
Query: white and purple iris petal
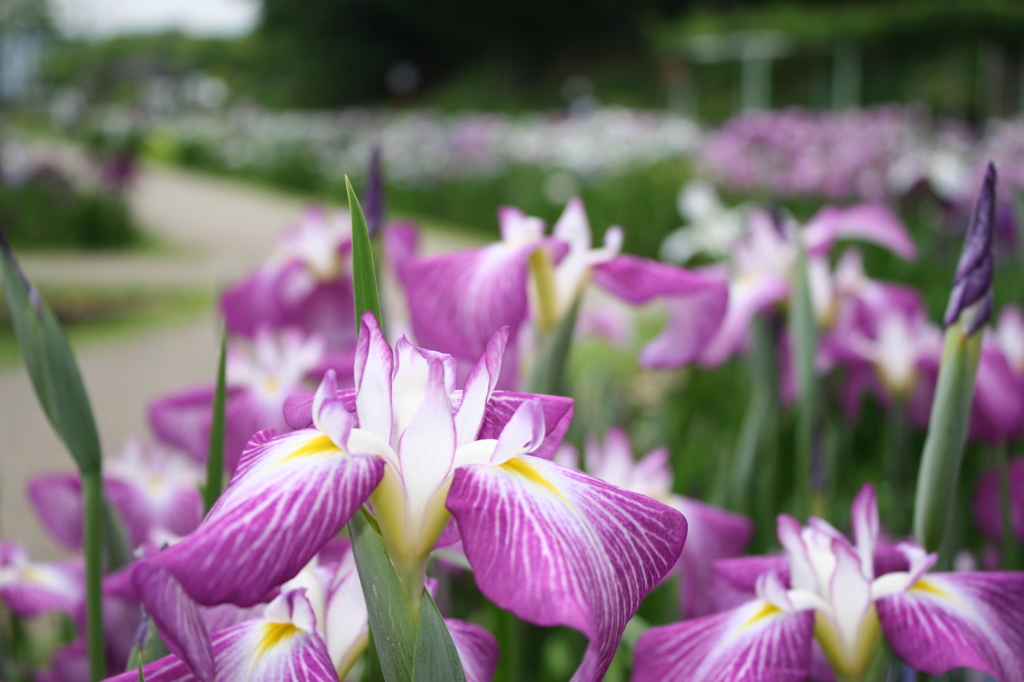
column 282, row 646
column 934, row 621
column 950, row 620
column 29, row 589
column 712, row 533
column 764, row 640
column 261, row 375
column 305, row 284
column 155, row 494
column 459, row 300
column 557, row 547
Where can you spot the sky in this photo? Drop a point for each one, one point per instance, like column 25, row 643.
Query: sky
column 103, row 18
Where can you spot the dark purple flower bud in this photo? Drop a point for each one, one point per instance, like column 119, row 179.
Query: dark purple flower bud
column 972, row 287
column 373, row 194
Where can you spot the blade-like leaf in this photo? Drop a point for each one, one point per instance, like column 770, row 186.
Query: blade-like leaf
column 215, row 460
column 400, row 636
column 436, row 657
column 51, row 365
column 549, row 370
column 364, row 276
column 804, row 331
column 58, row 385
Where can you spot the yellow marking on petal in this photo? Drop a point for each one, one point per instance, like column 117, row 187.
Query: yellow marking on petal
column 929, row 587
column 274, row 634
column 520, row 467
column 766, row 611
column 319, row 445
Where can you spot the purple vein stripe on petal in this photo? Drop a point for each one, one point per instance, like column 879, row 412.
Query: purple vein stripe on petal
column 951, row 620
column 177, row 618
column 755, row 642
column 289, row 496
column 558, row 547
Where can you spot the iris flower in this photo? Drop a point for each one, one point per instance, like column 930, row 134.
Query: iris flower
column 552, row 545
column 761, row 265
column 154, row 492
column 458, row 300
column 305, row 284
column 832, row 591
column 314, row 629
column 261, row 374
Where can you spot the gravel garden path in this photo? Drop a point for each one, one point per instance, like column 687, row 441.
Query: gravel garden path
column 216, row 230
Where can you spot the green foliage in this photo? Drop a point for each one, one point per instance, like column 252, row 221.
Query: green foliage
column 58, row 385
column 411, row 646
column 215, row 461
column 364, row 277
column 46, row 211
column 314, row 44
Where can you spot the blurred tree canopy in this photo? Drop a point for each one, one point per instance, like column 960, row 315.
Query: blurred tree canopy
column 332, row 52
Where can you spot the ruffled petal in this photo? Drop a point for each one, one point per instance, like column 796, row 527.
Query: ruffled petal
column 36, row 588
column 696, row 301
column 57, row 501
column 478, row 650
column 266, row 649
column 713, row 534
column 951, row 620
column 756, row 642
column 458, row 300
column 177, row 618
column 558, row 547
column 182, row 420
column 872, row 222
column 290, row 495
column 558, row 413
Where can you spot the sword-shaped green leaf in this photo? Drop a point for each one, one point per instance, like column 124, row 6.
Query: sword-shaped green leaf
column 364, row 276
column 58, row 385
column 215, row 460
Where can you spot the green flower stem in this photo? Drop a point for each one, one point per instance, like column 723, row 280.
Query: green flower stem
column 92, row 494
column 753, row 446
column 947, row 435
column 1009, row 548
column 804, row 329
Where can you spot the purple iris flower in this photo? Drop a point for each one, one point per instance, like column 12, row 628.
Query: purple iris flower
column 552, row 545
column 830, row 591
column 261, row 374
column 458, row 300
column 761, row 266
column 305, row 284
